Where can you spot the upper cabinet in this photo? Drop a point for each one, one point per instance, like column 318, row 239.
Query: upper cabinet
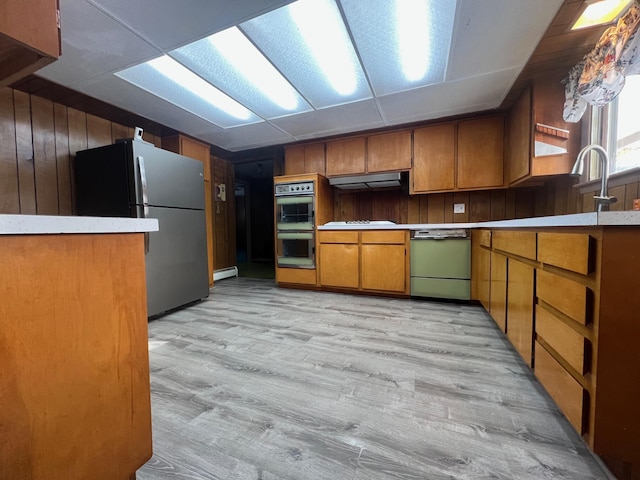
column 389, row 152
column 307, row 158
column 346, row 156
column 434, row 150
column 481, row 153
column 29, row 37
column 385, row 152
column 540, row 143
column 464, row 155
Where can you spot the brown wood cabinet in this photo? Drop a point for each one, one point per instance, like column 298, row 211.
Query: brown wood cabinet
column 498, row 290
column 198, row 151
column 480, row 158
column 434, row 158
column 520, row 308
column 29, row 37
column 389, row 152
column 346, row 156
column 306, row 158
column 535, row 127
column 339, row 259
column 74, row 387
column 463, row 155
column 375, row 261
column 481, row 266
column 585, row 325
column 384, row 261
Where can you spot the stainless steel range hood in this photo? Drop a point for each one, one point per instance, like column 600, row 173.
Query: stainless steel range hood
column 374, row 180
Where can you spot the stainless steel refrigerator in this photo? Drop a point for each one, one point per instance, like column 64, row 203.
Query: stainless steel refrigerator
column 133, row 178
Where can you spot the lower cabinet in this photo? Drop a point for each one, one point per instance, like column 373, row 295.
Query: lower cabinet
column 339, row 259
column 481, row 266
column 519, row 312
column 563, row 388
column 74, row 358
column 498, row 293
column 368, row 261
column 383, row 268
column 564, row 297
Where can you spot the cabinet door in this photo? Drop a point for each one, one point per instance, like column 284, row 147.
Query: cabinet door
column 519, row 138
column 389, row 152
column 481, row 153
column 339, row 265
column 383, row 268
column 434, row 158
column 294, row 160
column 314, row 161
column 520, row 308
column 480, row 274
column 498, row 294
column 28, row 40
column 346, row 157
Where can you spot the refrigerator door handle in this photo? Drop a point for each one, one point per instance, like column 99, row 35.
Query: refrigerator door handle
column 145, row 200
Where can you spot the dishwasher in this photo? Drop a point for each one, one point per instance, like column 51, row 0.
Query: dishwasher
column 441, row 264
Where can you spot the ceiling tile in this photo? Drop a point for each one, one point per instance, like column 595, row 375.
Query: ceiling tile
column 244, row 138
column 445, row 99
column 492, row 35
column 331, row 121
column 122, row 94
column 92, row 44
column 170, row 24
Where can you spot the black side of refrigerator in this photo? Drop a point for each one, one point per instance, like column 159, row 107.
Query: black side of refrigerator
column 105, row 182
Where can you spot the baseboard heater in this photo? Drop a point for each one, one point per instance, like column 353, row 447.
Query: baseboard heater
column 225, row 273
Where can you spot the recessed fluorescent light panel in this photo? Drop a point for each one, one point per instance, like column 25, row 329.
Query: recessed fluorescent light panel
column 403, row 44
column 171, row 81
column 231, row 62
column 309, row 43
column 601, row 12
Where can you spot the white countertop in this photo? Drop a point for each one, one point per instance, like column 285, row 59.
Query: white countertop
column 51, row 225
column 626, row 218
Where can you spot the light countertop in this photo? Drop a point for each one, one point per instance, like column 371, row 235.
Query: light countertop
column 626, row 218
column 51, row 225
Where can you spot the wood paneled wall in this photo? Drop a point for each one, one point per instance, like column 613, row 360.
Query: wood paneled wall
column 224, row 215
column 556, row 197
column 38, row 141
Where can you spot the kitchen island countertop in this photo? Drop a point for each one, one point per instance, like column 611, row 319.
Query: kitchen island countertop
column 52, row 225
column 625, row 218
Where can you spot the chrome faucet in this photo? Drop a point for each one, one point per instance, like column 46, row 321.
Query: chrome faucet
column 603, row 200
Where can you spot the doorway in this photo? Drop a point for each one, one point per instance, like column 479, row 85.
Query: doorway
column 254, row 219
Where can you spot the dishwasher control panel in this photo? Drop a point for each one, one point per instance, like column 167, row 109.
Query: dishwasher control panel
column 439, row 234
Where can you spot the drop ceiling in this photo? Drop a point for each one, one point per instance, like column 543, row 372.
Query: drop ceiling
column 491, row 42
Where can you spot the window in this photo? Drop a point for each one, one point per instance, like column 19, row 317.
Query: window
column 617, row 127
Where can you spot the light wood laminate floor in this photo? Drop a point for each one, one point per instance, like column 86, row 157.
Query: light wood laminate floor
column 264, row 383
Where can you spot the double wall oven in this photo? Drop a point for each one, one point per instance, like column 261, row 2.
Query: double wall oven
column 295, row 224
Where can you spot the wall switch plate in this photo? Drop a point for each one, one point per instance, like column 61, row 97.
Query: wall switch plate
column 458, row 208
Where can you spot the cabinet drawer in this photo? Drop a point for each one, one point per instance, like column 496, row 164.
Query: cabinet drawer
column 571, row 251
column 522, row 244
column 337, row 237
column 571, row 298
column 390, row 236
column 484, row 237
column 563, row 388
column 300, row 276
column 562, row 338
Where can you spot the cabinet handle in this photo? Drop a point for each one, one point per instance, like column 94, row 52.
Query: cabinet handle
column 145, row 201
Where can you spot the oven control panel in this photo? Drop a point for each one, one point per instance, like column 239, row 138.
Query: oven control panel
column 298, row 188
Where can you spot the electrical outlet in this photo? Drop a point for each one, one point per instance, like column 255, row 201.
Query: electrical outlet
column 458, row 208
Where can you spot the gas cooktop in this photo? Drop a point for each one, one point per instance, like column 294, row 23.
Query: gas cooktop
column 360, row 222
